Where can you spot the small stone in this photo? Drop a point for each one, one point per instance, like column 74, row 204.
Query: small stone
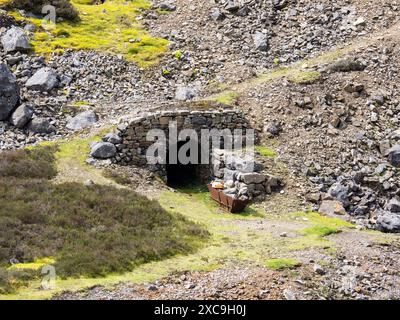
column 318, row 269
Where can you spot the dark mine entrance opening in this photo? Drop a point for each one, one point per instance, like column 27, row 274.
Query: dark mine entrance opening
column 183, row 175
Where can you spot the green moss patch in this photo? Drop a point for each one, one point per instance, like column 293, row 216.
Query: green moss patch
column 265, row 152
column 110, row 27
column 304, row 77
column 281, row 264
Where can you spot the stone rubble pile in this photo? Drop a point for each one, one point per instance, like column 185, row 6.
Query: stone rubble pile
column 242, row 176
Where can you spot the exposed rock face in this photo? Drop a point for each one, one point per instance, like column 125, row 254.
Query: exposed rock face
column 15, row 39
column 41, row 125
column 103, row 150
column 82, row 120
column 21, row 116
column 9, row 92
column 45, row 79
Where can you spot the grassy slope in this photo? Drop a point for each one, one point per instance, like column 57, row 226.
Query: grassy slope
column 110, row 27
column 84, row 231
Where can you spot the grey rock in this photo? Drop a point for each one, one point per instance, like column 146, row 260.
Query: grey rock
column 21, row 116
column 230, row 174
column 167, row 6
column 250, row 178
column 394, row 155
column 340, row 192
column 30, row 27
column 15, row 39
column 9, row 92
column 217, row 15
column 318, row 269
column 82, row 121
column 389, row 222
column 45, row 79
column 236, row 163
column 103, row 150
column 346, row 65
column 394, row 205
column 260, row 41
column 184, row 93
column 41, row 125
column 112, row 138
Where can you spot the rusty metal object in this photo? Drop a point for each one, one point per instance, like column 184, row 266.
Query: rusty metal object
column 232, row 205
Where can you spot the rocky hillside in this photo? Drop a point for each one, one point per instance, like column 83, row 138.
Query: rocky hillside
column 317, row 79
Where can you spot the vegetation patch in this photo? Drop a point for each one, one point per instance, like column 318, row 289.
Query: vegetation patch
column 281, row 264
column 88, row 231
column 265, row 152
column 304, row 77
column 227, row 97
column 110, row 27
column 320, row 231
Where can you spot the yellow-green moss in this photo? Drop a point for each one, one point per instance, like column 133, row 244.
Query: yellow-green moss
column 265, row 152
column 36, row 265
column 281, row 264
column 227, row 97
column 109, row 27
column 304, row 77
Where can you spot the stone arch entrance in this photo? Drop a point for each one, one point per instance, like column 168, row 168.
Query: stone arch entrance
column 133, row 142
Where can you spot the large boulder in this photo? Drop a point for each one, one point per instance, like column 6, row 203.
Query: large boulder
column 103, row 150
column 15, row 39
column 394, row 155
column 83, row 120
column 45, row 79
column 389, row 222
column 9, row 92
column 21, row 116
column 184, row 93
column 41, row 125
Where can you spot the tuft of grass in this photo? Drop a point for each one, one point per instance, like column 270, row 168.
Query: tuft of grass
column 320, row 231
column 178, row 54
column 117, row 177
column 265, row 152
column 108, row 27
column 304, row 77
column 227, row 97
column 281, row 264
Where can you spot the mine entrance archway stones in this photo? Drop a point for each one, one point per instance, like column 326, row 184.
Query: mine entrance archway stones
column 133, row 144
column 130, row 145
